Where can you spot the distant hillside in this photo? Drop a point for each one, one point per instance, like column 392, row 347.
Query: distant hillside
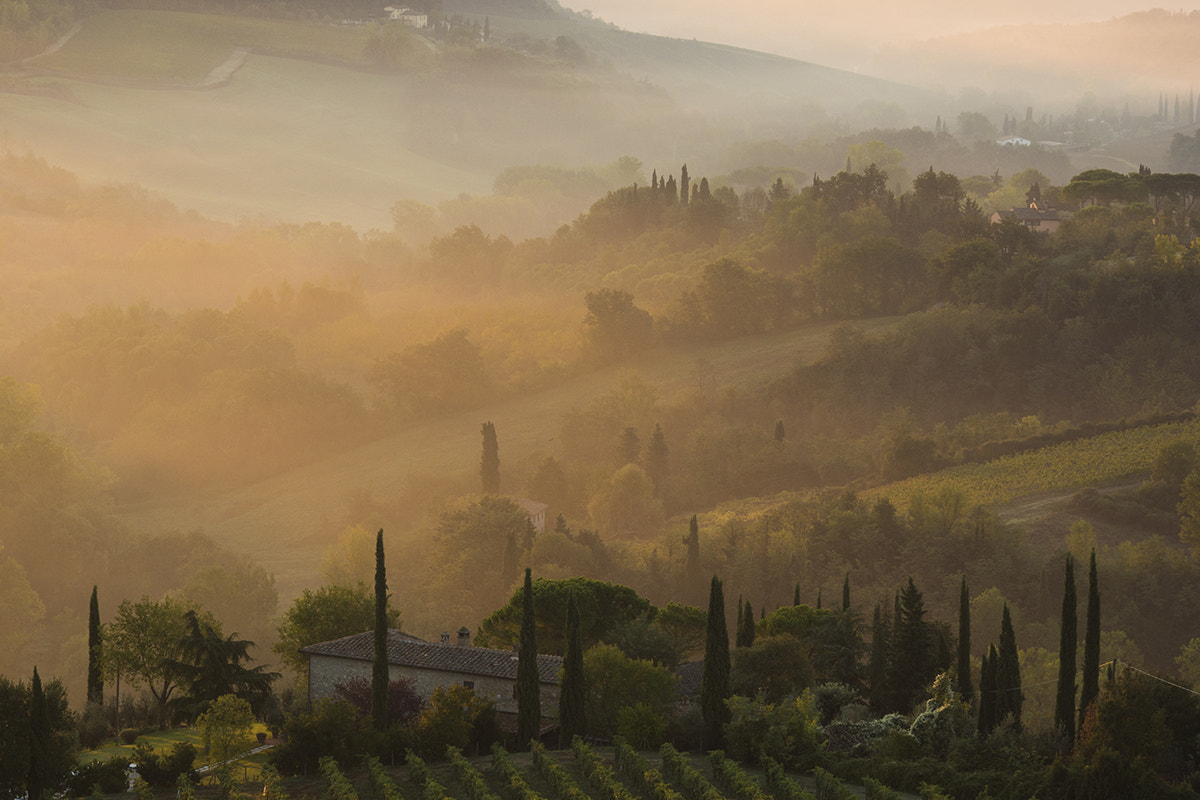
column 1139, row 55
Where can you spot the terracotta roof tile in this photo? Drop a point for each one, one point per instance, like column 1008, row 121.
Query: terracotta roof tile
column 409, row 651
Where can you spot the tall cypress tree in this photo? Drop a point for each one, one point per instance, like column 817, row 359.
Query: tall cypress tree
column 38, row 780
column 818, row 599
column 691, row 567
column 571, row 719
column 964, row 643
column 987, row 691
column 489, row 463
column 745, row 632
column 683, row 183
column 1091, row 644
column 529, row 692
column 1008, row 673
column 379, row 667
column 796, row 595
column 714, row 681
column 95, row 678
column 1068, row 641
column 846, row 593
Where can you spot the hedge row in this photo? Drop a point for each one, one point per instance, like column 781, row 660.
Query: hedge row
column 730, row 776
column 470, row 778
column 679, row 769
column 337, row 784
column 599, row 774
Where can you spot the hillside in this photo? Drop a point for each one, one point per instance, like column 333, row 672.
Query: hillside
column 140, row 96
column 288, row 521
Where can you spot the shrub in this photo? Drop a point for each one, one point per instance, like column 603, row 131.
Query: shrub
column 111, row 776
column 786, row 731
column 641, row 725
column 331, row 728
column 129, row 735
column 162, row 770
column 93, row 726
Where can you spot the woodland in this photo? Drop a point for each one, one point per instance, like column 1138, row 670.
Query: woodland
column 803, row 391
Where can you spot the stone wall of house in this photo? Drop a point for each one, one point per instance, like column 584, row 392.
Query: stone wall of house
column 326, row 672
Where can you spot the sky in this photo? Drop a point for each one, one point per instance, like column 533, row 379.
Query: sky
column 842, row 33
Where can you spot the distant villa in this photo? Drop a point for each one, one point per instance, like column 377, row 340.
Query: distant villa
column 414, row 19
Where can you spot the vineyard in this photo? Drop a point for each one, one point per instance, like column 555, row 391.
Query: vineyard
column 587, row 773
column 1071, row 465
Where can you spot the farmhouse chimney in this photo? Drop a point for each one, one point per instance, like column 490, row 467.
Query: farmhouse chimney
column 445, row 637
column 464, row 637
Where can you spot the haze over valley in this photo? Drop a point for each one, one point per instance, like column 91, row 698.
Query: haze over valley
column 799, row 297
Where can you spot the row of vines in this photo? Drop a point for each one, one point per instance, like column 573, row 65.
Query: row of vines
column 630, row 778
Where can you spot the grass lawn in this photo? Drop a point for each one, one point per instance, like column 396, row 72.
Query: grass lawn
column 160, row 741
column 180, row 47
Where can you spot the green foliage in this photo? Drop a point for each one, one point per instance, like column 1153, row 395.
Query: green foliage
column 643, row 723
column 162, row 770
column 572, row 698
column 1064, row 703
column 380, row 676
column 337, row 785
column 514, row 783
column 786, row 731
column 226, row 724
column 489, row 462
column 111, row 776
column 730, row 776
column 381, row 783
column 646, row 782
column 615, row 326
column 614, row 682
column 597, row 773
column 330, row 728
column 209, row 666
column 455, row 717
column 448, row 372
column 715, row 685
column 780, row 785
column 529, row 690
column 562, row 784
column 471, row 779
column 330, row 612
column 602, row 607
column 679, row 770
column 775, row 666
column 829, row 787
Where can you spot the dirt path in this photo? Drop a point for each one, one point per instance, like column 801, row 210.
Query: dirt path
column 58, row 45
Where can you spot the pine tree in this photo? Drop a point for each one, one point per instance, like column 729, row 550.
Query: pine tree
column 683, row 185
column 571, row 719
column 964, row 643
column 95, row 678
column 38, row 780
column 1008, row 673
column 1091, row 643
column 1064, row 701
column 745, row 632
column 987, row 692
column 529, row 692
column 714, row 681
column 846, row 593
column 489, row 465
column 379, row 667
column 911, row 668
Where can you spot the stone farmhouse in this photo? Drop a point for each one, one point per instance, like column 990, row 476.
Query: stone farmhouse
column 1042, row 220
column 491, row 673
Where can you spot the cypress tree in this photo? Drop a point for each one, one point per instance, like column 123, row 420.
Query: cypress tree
column 691, row 568
column 745, row 633
column 683, row 184
column 95, row 679
column 846, row 593
column 1068, row 640
column 1091, row 643
column 571, row 719
column 796, row 595
column 38, row 780
column 737, row 623
column 1008, row 673
column 529, row 693
column 379, row 668
column 489, row 463
column 964, row 643
column 987, row 692
column 818, row 599
column 658, row 458
column 714, row 681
